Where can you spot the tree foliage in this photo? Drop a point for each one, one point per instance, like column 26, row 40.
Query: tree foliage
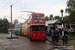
column 46, row 18
column 71, row 9
column 4, row 25
column 56, row 17
column 66, row 18
column 15, row 21
column 70, row 6
column 51, row 17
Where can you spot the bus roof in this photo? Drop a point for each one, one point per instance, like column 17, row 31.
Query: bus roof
column 37, row 14
column 19, row 24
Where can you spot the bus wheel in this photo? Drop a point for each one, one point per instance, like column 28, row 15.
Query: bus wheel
column 30, row 38
column 44, row 39
column 20, row 34
column 16, row 33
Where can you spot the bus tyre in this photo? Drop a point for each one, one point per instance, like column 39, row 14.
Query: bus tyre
column 20, row 34
column 44, row 39
column 30, row 38
column 16, row 33
column 27, row 36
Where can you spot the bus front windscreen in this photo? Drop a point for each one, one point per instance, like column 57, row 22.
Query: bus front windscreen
column 38, row 28
column 34, row 28
column 41, row 28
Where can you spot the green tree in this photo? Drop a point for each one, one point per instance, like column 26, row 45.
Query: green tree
column 71, row 9
column 72, row 16
column 5, row 25
column 46, row 18
column 56, row 17
column 15, row 21
column 70, row 6
column 51, row 17
column 0, row 25
column 66, row 18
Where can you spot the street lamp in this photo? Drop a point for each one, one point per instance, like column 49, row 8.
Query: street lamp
column 62, row 24
column 62, row 14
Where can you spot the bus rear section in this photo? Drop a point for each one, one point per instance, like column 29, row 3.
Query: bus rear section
column 25, row 28
column 24, row 32
column 37, row 32
column 18, row 29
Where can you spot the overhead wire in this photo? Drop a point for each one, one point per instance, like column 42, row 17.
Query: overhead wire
column 5, row 8
column 24, row 4
column 8, row 2
column 57, row 6
column 23, row 9
column 21, row 6
column 2, row 2
column 5, row 4
column 15, row 2
column 50, row 4
column 12, row 4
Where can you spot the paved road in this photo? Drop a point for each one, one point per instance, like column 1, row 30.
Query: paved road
column 23, row 43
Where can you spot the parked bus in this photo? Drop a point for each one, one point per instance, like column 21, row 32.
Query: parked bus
column 18, row 29
column 25, row 28
column 36, row 27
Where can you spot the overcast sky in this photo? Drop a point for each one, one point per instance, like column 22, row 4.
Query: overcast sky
column 41, row 6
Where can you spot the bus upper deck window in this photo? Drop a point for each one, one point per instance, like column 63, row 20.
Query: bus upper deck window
column 41, row 16
column 34, row 16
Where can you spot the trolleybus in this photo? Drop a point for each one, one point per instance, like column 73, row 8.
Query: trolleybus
column 36, row 27
column 18, row 29
column 25, row 28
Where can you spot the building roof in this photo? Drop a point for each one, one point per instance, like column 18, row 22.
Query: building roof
column 52, row 22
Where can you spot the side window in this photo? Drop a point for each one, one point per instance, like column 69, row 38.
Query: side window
column 34, row 16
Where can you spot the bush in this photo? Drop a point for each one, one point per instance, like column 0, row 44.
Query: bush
column 69, row 37
column 60, row 37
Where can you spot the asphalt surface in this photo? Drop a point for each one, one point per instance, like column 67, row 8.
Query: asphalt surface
column 23, row 43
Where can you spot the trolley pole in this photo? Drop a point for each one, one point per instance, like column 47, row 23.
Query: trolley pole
column 62, row 25
column 11, row 21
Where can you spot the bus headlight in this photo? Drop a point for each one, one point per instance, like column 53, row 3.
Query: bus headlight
column 33, row 34
column 43, row 34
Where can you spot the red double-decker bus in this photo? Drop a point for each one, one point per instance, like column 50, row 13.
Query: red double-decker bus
column 36, row 27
